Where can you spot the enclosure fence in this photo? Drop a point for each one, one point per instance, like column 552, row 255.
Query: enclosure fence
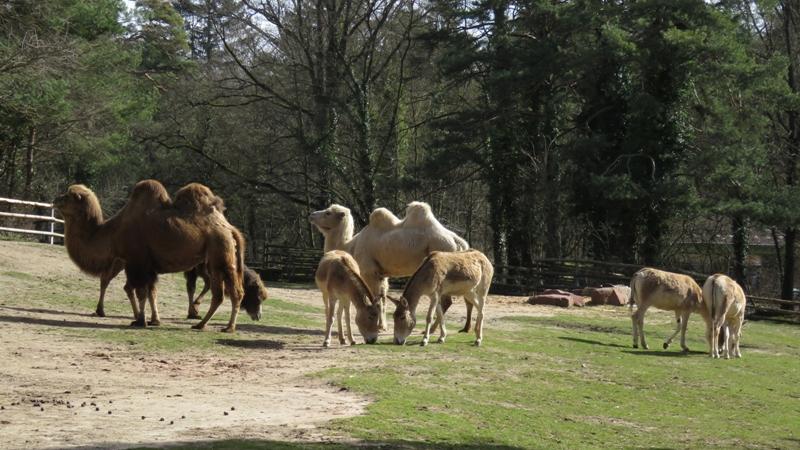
column 50, row 219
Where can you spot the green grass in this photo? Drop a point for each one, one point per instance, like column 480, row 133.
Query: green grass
column 570, row 380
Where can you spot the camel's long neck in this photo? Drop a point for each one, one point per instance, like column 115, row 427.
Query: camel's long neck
column 88, row 243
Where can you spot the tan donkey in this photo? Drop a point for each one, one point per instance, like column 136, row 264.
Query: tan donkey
column 468, row 273
column 725, row 302
column 667, row 291
column 339, row 279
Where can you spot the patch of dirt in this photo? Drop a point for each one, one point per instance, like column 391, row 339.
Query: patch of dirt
column 60, row 391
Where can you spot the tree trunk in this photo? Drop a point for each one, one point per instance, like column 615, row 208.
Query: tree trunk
column 787, row 283
column 739, row 231
column 29, row 163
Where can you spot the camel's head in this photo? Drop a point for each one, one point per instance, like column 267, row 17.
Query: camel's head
column 368, row 318
column 332, row 218
column 78, row 201
column 254, row 294
column 404, row 320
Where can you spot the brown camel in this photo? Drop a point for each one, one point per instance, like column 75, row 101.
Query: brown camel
column 152, row 235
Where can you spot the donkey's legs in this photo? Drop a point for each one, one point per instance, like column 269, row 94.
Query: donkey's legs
column 677, row 329
column 434, row 300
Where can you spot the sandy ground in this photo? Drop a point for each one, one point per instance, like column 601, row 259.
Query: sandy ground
column 57, row 391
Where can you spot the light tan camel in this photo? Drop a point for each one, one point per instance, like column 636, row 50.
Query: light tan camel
column 153, row 236
column 668, row 291
column 338, row 278
column 468, row 273
column 725, row 302
column 388, row 246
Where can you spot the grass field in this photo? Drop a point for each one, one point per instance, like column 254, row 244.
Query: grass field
column 568, row 379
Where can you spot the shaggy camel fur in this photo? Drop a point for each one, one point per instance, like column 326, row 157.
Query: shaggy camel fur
column 725, row 302
column 154, row 236
column 255, row 293
column 388, row 246
column 468, row 273
column 667, row 291
column 339, row 279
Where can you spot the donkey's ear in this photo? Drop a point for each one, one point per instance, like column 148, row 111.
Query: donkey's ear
column 394, row 300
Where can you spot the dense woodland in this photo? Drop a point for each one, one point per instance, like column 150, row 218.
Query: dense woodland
column 662, row 132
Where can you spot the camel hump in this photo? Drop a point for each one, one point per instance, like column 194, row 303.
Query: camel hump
column 197, row 198
column 419, row 214
column 151, row 191
column 383, row 218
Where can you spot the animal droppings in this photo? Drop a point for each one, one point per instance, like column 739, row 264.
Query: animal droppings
column 41, row 409
column 97, row 409
column 161, row 419
column 109, row 413
column 142, row 417
column 233, row 408
column 226, row 413
column 171, row 422
column 183, row 417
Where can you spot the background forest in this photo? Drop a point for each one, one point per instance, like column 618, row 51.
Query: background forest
column 659, row 132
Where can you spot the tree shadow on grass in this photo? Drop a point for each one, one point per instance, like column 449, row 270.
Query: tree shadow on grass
column 258, row 344
column 63, row 323
column 288, row 445
column 589, row 341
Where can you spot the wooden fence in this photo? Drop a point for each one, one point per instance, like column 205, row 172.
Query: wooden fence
column 285, row 263
column 51, row 219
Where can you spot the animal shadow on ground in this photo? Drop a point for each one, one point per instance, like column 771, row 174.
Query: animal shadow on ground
column 258, row 344
column 62, row 323
column 670, row 353
column 57, row 312
column 589, row 341
column 252, row 327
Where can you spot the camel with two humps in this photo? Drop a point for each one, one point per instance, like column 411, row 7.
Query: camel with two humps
column 388, row 246
column 153, row 235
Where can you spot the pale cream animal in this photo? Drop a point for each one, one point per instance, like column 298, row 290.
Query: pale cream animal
column 388, row 246
column 338, row 278
column 667, row 291
column 468, row 273
column 725, row 302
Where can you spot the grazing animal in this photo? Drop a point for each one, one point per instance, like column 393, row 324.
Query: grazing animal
column 468, row 273
column 152, row 235
column 339, row 279
column 388, row 246
column 667, row 291
column 255, row 293
column 725, row 303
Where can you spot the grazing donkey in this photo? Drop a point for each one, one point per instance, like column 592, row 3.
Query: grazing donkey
column 468, row 273
column 725, row 302
column 338, row 278
column 667, row 291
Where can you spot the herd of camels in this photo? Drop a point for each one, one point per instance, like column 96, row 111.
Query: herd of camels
column 154, row 234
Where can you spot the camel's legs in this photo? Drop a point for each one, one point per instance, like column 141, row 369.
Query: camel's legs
column 236, row 301
column 635, row 323
column 116, row 267
column 141, row 295
column 152, row 294
column 191, row 285
column 132, row 298
column 216, row 300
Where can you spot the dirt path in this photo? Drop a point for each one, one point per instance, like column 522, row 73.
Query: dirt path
column 59, row 389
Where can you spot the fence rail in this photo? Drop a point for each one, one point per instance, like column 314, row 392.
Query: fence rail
column 51, row 219
column 295, row 264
